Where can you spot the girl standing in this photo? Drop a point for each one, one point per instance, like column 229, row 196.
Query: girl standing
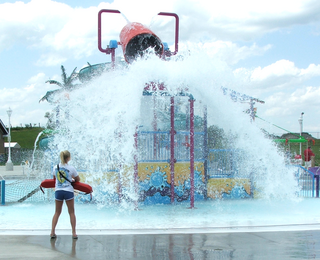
column 64, row 174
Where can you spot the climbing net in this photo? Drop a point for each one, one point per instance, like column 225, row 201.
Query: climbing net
column 25, row 190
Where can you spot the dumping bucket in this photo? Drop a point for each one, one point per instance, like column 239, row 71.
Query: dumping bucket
column 135, row 38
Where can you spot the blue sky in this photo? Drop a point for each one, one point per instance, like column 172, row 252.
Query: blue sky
column 272, row 45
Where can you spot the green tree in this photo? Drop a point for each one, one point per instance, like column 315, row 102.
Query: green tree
column 217, row 138
column 66, row 85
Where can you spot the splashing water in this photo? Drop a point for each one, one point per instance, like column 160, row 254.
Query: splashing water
column 34, row 149
column 104, row 115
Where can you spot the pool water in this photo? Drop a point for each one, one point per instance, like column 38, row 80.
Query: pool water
column 210, row 215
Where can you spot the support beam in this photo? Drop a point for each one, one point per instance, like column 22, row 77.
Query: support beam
column 172, row 158
column 191, row 153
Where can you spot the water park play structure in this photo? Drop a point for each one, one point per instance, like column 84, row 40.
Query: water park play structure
column 153, row 147
column 172, row 160
column 139, row 135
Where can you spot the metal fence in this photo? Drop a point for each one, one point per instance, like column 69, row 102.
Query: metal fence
column 306, row 182
column 182, row 146
column 154, row 146
column 20, row 190
column 222, row 163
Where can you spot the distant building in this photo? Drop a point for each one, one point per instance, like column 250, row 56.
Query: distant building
column 13, row 145
column 3, row 133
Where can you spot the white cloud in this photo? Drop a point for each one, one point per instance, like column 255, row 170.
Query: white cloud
column 282, row 75
column 283, row 86
column 231, row 52
column 57, row 28
column 51, row 59
column 242, row 20
column 283, row 109
column 277, row 69
column 57, row 33
column 24, row 102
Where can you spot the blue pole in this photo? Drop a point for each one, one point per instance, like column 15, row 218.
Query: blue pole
column 3, row 185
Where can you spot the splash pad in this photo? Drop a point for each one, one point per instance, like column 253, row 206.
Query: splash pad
column 138, row 135
column 142, row 134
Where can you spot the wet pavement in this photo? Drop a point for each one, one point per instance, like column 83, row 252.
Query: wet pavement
column 234, row 245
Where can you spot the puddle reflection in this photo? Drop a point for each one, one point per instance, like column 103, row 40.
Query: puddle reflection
column 242, row 245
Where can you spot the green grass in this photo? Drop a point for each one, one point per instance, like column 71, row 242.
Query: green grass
column 295, row 147
column 25, row 137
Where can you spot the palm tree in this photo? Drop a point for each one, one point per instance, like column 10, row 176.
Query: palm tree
column 67, row 84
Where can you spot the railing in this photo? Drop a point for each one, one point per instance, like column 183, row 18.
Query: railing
column 182, row 146
column 306, row 182
column 154, row 146
column 222, row 163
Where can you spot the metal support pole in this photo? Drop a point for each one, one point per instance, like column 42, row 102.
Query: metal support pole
column 205, row 151
column 176, row 40
column 155, row 128
column 191, row 153
column 113, row 58
column 301, row 127
column 3, row 187
column 317, row 185
column 9, row 164
column 100, row 26
column 119, row 185
column 9, row 139
column 136, row 191
column 172, row 159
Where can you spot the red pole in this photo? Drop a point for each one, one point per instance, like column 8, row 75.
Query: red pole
column 172, row 160
column 136, row 168
column 191, row 153
column 99, row 26
column 155, row 128
column 176, row 39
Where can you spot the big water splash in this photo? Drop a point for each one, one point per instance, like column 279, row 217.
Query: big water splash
column 98, row 122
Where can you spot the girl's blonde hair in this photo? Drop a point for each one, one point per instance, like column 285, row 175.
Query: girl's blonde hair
column 64, row 156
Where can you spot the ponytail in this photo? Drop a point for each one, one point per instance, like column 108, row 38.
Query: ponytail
column 64, row 156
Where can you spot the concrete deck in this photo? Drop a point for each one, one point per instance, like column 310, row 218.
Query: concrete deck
column 18, row 172
column 239, row 245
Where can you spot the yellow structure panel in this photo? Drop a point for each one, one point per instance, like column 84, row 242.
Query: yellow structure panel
column 146, row 169
column 181, row 170
column 216, row 187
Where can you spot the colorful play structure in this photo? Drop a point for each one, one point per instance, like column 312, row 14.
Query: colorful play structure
column 173, row 162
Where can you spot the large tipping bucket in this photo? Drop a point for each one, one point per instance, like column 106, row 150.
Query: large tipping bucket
column 135, row 38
